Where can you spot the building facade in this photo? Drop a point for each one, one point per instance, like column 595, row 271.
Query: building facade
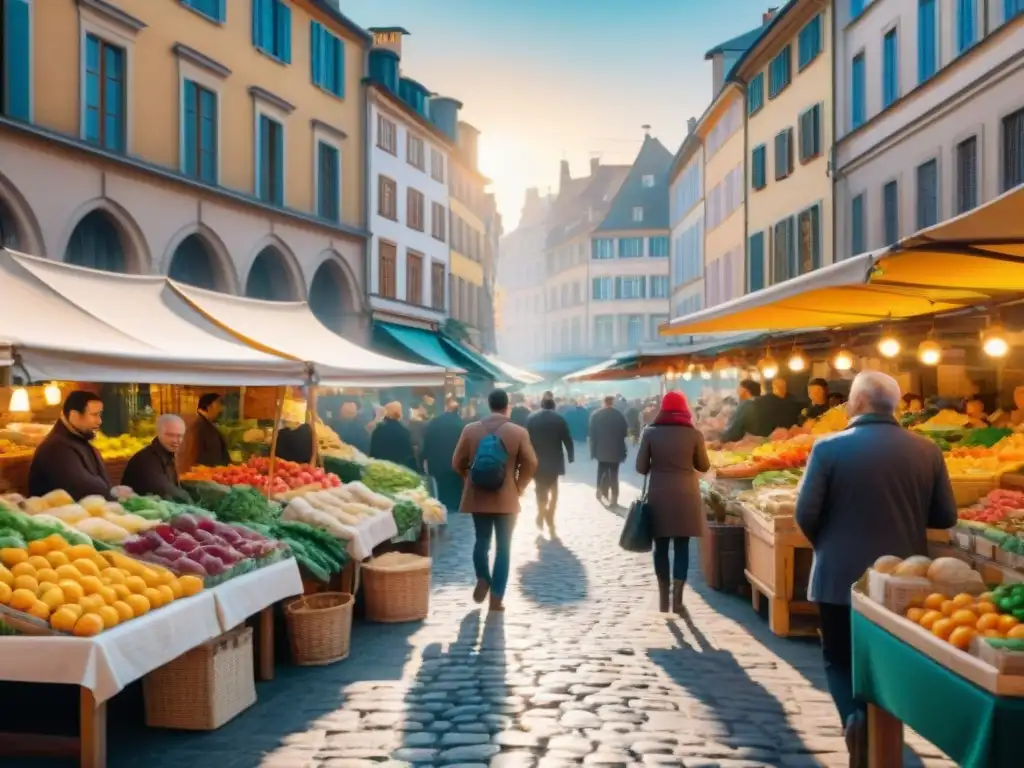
column 787, row 75
column 686, row 216
column 219, row 143
column 929, row 114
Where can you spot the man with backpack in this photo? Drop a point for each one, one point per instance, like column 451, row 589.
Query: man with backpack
column 497, row 460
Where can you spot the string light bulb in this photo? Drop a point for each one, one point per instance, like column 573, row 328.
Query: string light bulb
column 993, row 341
column 51, row 394
column 768, row 367
column 929, row 352
column 688, row 373
column 19, row 401
column 889, row 346
column 843, row 360
column 797, row 361
column 705, row 373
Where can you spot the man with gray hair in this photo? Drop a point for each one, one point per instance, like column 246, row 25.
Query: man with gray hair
column 871, row 490
column 151, row 471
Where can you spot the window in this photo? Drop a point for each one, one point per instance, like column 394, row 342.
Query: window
column 270, row 166
column 604, row 332
column 437, row 285
column 630, row 287
column 601, row 289
column 890, row 69
column 858, row 92
column 634, row 330
column 105, row 94
column 657, row 247
column 856, row 8
column 631, row 247
column 755, row 263
column 967, row 175
column 858, row 243
column 327, row 54
column 783, row 267
column 414, row 151
column 438, row 216
column 758, row 171
column 809, row 43
column 728, row 124
column 328, row 167
column 16, row 59
column 783, row 154
column 1013, row 150
column 927, row 40
column 647, row 180
column 755, row 94
column 966, row 24
column 810, row 134
column 659, row 286
column 388, row 263
column 387, row 135
column 808, row 245
column 778, row 72
column 199, row 133
column 387, row 198
column 688, row 255
column 602, row 248
column 638, row 213
column 436, row 165
column 272, row 28
column 891, row 212
column 656, row 322
column 927, row 194
column 414, row 206
column 414, row 277
column 1012, row 8
column 212, row 8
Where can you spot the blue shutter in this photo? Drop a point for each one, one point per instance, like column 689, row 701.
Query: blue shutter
column 927, row 55
column 113, row 98
column 17, row 62
column 857, row 226
column 1011, row 8
column 262, row 22
column 891, row 212
column 278, row 135
column 965, row 22
column 189, row 138
column 208, row 135
column 284, row 32
column 339, row 66
column 263, row 158
column 315, row 52
column 856, row 8
column 755, row 262
column 890, row 69
column 858, row 108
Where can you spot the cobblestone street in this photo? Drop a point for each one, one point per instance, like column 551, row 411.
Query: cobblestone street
column 579, row 670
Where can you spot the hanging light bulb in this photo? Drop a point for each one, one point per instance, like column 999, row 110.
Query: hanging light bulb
column 797, row 361
column 19, row 401
column 670, row 373
column 768, row 367
column 929, row 352
column 888, row 346
column 843, row 360
column 688, row 373
column 51, row 394
column 705, row 373
column 993, row 341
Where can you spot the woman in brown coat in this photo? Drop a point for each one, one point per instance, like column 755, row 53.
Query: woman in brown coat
column 672, row 454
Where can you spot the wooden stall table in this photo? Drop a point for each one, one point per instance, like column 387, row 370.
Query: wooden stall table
column 778, row 566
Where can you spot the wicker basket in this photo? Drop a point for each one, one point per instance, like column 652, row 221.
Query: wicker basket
column 320, row 628
column 204, row 688
column 396, row 595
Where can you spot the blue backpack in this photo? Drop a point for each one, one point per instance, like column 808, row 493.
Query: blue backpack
column 490, row 463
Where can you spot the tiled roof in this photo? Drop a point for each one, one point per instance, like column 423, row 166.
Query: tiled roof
column 587, row 202
column 652, row 160
column 737, row 44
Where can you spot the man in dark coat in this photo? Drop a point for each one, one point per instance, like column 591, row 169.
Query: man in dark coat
column 352, row 429
column 520, row 413
column 151, row 471
column 871, row 490
column 608, row 432
column 66, row 459
column 776, row 410
column 817, row 391
column 744, row 418
column 439, row 441
column 209, row 448
column 391, row 439
column 549, row 433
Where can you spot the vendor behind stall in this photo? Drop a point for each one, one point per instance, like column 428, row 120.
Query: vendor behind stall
column 65, row 459
column 744, row 418
column 776, row 410
column 391, row 439
column 295, row 442
column 352, row 429
column 204, row 444
column 151, row 471
column 817, row 391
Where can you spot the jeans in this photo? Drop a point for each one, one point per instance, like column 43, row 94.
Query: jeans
column 608, row 478
column 837, row 651
column 500, row 528
column 547, row 497
column 680, row 559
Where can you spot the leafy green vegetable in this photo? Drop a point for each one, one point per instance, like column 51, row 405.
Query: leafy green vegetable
column 409, row 520
column 149, row 507
column 206, row 493
column 347, row 470
column 11, row 539
column 388, row 478
column 244, row 504
column 985, row 437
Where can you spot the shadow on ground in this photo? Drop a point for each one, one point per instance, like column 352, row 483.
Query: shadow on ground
column 555, row 577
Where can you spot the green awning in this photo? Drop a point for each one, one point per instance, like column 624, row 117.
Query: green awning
column 425, row 346
column 474, row 360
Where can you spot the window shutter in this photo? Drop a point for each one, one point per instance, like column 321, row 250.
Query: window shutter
column 339, row 65
column 17, row 50
column 857, row 225
column 188, row 132
column 284, row 32
column 755, row 267
column 278, row 164
column 315, row 52
column 221, row 9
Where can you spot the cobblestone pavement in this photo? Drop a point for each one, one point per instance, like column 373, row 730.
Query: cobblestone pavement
column 579, row 670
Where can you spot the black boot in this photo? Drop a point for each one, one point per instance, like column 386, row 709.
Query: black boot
column 677, row 598
column 662, row 596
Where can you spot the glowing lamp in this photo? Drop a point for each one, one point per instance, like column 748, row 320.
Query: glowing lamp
column 19, row 401
column 994, row 343
column 797, row 362
column 843, row 361
column 888, row 346
column 51, row 394
column 929, row 352
column 768, row 367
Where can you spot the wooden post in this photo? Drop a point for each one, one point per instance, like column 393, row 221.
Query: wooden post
column 266, row 640
column 311, row 418
column 885, row 739
column 281, row 392
column 92, row 728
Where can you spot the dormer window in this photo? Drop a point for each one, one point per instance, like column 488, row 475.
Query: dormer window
column 638, row 213
column 648, row 180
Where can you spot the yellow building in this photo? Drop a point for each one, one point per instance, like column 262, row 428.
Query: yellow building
column 787, row 74
column 219, row 142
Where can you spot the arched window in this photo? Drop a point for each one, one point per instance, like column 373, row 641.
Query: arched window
column 96, row 243
column 269, row 278
column 327, row 295
column 193, row 264
column 8, row 227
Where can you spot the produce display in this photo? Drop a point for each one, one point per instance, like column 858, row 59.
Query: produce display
column 94, row 516
column 778, row 478
column 835, row 419
column 385, row 477
column 945, row 420
column 432, row 510
column 321, row 554
column 244, row 504
column 288, row 475
column 80, row 591
column 771, row 501
column 120, row 447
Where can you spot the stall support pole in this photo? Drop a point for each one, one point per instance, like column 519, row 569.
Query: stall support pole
column 266, row 644
column 311, row 419
column 885, row 739
column 92, row 730
column 281, row 392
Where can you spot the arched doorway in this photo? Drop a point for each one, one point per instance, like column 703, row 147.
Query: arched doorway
column 327, row 295
column 9, row 236
column 97, row 243
column 269, row 278
column 193, row 264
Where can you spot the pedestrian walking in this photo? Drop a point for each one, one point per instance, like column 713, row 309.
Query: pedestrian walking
column 632, row 414
column 671, row 455
column 608, row 432
column 439, row 440
column 391, row 439
column 497, row 461
column 520, row 413
column 871, row 490
column 549, row 435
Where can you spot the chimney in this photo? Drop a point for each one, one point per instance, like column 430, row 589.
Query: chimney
column 595, row 163
column 769, row 15
column 691, row 125
column 563, row 176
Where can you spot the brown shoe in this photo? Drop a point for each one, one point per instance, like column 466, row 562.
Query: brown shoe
column 480, row 591
column 663, row 596
column 496, row 605
column 677, row 598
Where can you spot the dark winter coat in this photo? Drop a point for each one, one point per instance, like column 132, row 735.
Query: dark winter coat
column 439, row 441
column 608, row 432
column 151, row 471
column 392, row 441
column 549, row 433
column 672, row 455
column 353, row 432
column 66, row 460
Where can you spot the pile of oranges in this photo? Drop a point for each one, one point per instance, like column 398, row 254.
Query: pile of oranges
column 958, row 619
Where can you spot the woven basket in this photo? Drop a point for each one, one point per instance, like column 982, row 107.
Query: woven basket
column 396, row 595
column 320, row 628
column 204, row 688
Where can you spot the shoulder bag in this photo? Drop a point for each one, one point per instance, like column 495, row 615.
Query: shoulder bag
column 636, row 532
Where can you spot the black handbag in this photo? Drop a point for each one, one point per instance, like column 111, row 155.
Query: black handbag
column 636, row 532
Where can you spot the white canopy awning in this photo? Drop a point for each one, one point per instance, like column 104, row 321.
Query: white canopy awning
column 517, row 375
column 290, row 330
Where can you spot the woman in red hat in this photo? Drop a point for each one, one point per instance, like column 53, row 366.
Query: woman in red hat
column 671, row 455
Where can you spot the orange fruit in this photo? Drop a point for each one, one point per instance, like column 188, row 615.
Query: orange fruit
column 75, row 608
column 6, row 576
column 27, row 582
column 928, row 620
column 156, row 599
column 113, row 576
column 135, row 584
column 943, row 628
column 984, row 607
column 22, row 599
column 38, row 561
column 1016, row 632
column 56, row 542
column 45, row 586
column 985, row 597
column 917, row 601
column 91, row 603
column 64, row 620
column 72, row 590
column 915, row 614
column 963, row 600
column 964, row 617
column 1007, row 622
column 111, row 618
column 947, row 608
column 993, row 633
column 961, row 637
column 79, row 551
column 121, row 591
column 53, row 598
column 139, row 604
column 24, row 569
column 987, row 621
column 91, row 584
column 934, row 601
column 176, row 589
column 86, row 567
column 90, row 625
column 108, row 594
column 191, row 585
column 38, row 547
column 124, row 611
column 47, row 574
column 68, row 571
column 5, row 593
column 166, row 593
column 40, row 610
column 11, row 556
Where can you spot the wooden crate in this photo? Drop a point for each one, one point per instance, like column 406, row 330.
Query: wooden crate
column 722, row 557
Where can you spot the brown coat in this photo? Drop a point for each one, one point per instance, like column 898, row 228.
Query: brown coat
column 66, row 460
column 522, row 463
column 672, row 455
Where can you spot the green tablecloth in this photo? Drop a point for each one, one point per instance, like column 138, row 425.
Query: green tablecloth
column 974, row 727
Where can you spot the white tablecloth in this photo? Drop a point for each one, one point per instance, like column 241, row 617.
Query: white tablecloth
column 239, row 598
column 105, row 664
column 371, row 532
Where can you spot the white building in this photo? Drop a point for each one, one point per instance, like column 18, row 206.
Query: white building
column 686, row 212
column 929, row 111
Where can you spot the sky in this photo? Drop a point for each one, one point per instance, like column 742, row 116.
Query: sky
column 547, row 80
